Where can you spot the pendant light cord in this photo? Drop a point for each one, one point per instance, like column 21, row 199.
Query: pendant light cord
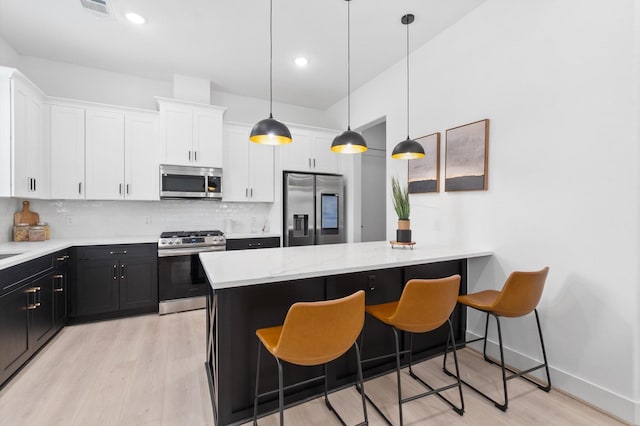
column 271, row 59
column 408, row 22
column 348, row 65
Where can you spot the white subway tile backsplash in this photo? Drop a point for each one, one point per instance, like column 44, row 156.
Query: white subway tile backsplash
column 8, row 207
column 72, row 218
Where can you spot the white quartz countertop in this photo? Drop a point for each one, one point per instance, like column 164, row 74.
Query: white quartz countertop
column 248, row 267
column 29, row 250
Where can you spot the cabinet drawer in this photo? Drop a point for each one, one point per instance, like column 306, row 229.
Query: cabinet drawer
column 14, row 276
column 253, row 243
column 120, row 251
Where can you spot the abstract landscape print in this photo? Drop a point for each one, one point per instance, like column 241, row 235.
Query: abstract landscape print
column 466, row 157
column 424, row 173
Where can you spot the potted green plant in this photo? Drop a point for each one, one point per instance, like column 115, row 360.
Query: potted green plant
column 401, row 204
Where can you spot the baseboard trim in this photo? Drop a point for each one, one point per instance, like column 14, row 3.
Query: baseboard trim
column 617, row 406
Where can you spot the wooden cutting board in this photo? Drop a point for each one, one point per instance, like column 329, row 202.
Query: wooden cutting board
column 26, row 215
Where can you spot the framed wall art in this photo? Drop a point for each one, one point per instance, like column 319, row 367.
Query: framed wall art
column 466, row 157
column 424, row 173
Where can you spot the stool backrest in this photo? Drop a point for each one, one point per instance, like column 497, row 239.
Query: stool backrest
column 314, row 333
column 426, row 304
column 521, row 293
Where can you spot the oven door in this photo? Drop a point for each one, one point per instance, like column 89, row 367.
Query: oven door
column 182, row 283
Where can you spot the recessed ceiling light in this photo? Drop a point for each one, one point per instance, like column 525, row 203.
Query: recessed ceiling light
column 301, row 62
column 135, row 18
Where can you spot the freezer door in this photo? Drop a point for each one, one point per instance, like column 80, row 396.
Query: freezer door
column 299, row 212
column 330, row 210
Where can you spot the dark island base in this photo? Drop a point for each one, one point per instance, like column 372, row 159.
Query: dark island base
column 234, row 314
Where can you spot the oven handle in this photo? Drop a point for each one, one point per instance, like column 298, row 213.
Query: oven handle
column 188, row 251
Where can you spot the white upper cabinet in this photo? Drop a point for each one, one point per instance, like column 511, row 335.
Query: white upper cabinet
column 66, row 138
column 191, row 133
column 142, row 159
column 23, row 147
column 248, row 171
column 310, row 151
column 104, row 167
column 100, row 152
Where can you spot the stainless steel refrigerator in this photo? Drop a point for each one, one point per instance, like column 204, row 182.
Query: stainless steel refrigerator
column 314, row 209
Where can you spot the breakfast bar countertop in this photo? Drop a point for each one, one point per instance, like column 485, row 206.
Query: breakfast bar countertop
column 244, row 268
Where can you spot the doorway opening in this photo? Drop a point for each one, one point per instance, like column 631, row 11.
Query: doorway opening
column 373, row 211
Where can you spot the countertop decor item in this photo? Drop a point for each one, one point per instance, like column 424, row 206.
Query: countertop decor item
column 408, row 149
column 403, row 208
column 26, row 216
column 270, row 131
column 349, row 142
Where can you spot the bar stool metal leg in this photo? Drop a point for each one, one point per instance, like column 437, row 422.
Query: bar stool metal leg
column 255, row 400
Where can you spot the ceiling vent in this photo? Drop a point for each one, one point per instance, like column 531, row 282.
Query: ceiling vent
column 99, row 7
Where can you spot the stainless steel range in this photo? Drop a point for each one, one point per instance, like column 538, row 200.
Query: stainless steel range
column 182, row 284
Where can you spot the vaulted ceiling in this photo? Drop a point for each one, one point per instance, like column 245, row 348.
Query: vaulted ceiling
column 227, row 41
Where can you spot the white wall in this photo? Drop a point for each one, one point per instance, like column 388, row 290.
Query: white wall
column 246, row 109
column 91, row 84
column 8, row 56
column 558, row 80
column 95, row 85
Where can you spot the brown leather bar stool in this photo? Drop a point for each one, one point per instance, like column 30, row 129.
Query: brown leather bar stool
column 424, row 305
column 519, row 296
column 314, row 333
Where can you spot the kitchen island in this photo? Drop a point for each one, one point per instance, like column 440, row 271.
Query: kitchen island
column 254, row 289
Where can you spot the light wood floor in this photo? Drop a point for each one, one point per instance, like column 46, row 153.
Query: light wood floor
column 149, row 370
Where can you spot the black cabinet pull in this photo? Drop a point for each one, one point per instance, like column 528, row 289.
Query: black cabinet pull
column 118, row 252
column 122, row 271
column 115, row 272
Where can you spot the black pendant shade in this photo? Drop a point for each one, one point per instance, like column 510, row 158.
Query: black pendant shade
column 270, row 132
column 349, row 142
column 408, row 149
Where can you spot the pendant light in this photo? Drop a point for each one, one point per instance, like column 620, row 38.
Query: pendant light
column 408, row 149
column 270, row 131
column 349, row 142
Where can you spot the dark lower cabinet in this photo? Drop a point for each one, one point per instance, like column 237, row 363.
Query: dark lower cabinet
column 113, row 281
column 252, row 243
column 32, row 310
column 61, row 289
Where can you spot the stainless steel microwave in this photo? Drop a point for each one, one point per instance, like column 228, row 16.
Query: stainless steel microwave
column 190, row 182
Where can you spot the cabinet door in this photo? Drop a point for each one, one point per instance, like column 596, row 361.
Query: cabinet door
column 60, row 292
column 97, row 286
column 141, row 157
column 235, row 185
column 296, row 156
column 324, row 160
column 104, row 155
column 178, row 134
column 261, row 173
column 207, row 138
column 41, row 325
column 14, row 331
column 30, row 171
column 138, row 283
column 67, row 152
